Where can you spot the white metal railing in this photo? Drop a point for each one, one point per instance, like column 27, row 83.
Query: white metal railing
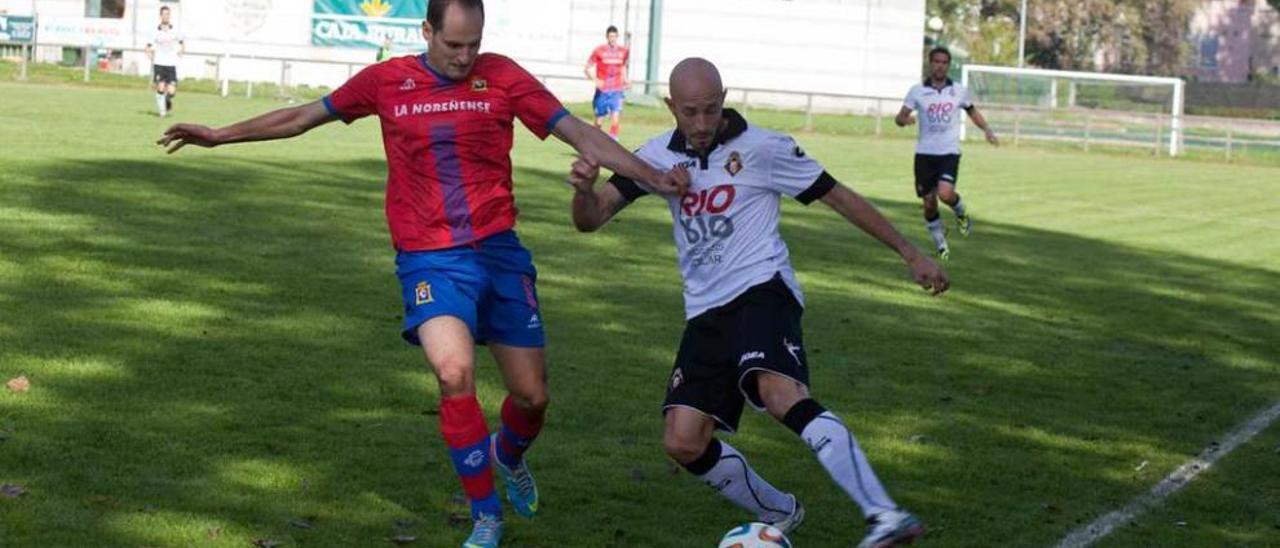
column 1083, row 127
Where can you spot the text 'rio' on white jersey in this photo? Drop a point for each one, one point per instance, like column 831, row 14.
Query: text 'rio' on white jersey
column 940, row 113
column 726, row 227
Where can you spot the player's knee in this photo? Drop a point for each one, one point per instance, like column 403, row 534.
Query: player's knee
column 779, row 393
column 684, row 449
column 533, row 401
column 454, row 376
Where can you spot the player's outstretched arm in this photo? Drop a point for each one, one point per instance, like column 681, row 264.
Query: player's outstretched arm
column 904, row 117
column 277, row 124
column 862, row 214
column 981, row 121
column 602, row 150
column 592, row 207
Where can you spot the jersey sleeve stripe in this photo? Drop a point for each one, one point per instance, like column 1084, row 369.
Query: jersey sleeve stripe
column 629, row 189
column 328, row 105
column 555, row 119
column 818, row 189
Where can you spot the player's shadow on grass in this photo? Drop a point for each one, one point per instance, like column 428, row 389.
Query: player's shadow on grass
column 220, row 343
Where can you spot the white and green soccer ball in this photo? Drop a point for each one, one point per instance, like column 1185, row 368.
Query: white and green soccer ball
column 755, row 535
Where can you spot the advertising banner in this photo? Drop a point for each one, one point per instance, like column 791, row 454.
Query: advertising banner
column 368, row 23
column 15, row 28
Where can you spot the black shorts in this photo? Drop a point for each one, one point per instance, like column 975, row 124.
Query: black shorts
column 724, row 347
column 931, row 168
column 162, row 74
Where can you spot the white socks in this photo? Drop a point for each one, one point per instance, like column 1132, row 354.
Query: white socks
column 935, row 230
column 160, row 105
column 844, row 460
column 734, row 478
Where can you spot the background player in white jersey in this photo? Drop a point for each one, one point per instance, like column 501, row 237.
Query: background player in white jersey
column 743, row 341
column 939, row 102
column 165, row 49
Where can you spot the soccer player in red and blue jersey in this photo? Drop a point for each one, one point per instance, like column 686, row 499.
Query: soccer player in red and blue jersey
column 610, row 61
column 447, row 125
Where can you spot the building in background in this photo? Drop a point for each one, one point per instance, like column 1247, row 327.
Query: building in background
column 1235, row 41
column 860, row 47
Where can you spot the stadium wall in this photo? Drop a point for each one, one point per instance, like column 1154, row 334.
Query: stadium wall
column 860, row 47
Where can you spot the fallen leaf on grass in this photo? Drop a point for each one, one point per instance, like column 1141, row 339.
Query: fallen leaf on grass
column 214, row 533
column 300, row 523
column 12, row 491
column 403, row 539
column 18, row 384
column 265, row 543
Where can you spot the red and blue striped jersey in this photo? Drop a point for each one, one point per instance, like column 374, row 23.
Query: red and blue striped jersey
column 448, row 143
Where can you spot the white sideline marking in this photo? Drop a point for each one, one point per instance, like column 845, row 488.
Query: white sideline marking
column 1172, row 483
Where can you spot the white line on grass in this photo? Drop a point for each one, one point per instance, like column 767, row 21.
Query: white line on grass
column 1175, row 481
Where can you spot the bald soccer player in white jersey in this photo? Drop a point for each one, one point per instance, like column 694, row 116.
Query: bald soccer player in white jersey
column 743, row 342
column 937, row 167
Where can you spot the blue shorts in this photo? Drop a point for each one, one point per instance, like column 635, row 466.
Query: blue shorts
column 607, row 102
column 488, row 284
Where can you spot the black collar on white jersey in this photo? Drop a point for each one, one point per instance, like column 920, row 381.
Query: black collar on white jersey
column 736, row 125
column 928, row 82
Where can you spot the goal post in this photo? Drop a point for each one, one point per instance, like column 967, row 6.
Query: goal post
column 1122, row 105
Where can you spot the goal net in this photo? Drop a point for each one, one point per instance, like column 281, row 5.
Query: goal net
column 1081, row 108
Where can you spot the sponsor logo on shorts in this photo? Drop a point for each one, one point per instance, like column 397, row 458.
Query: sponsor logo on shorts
column 534, row 322
column 750, row 356
column 794, row 350
column 677, row 377
column 422, row 294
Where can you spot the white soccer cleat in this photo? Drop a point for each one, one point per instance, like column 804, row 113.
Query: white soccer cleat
column 793, row 520
column 892, row 528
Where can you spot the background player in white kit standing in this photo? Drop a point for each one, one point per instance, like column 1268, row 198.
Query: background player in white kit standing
column 165, row 49
column 939, row 102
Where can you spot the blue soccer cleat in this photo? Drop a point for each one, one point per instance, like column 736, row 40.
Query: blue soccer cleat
column 522, row 491
column 486, row 533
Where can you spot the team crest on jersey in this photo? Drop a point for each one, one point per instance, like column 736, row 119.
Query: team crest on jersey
column 734, row 165
column 480, row 85
column 422, row 294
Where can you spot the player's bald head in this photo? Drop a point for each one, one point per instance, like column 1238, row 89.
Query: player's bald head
column 697, row 101
column 693, row 78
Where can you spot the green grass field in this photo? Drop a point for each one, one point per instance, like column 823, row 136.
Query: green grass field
column 211, row 341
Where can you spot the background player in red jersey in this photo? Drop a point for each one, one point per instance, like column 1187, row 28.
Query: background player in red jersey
column 610, row 76
column 447, row 125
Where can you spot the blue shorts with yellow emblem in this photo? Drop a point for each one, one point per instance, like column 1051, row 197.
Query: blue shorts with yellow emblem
column 487, row 284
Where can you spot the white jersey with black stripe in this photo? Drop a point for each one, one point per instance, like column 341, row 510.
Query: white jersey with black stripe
column 726, row 228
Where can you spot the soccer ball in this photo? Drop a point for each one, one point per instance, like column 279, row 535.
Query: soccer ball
column 755, row 535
